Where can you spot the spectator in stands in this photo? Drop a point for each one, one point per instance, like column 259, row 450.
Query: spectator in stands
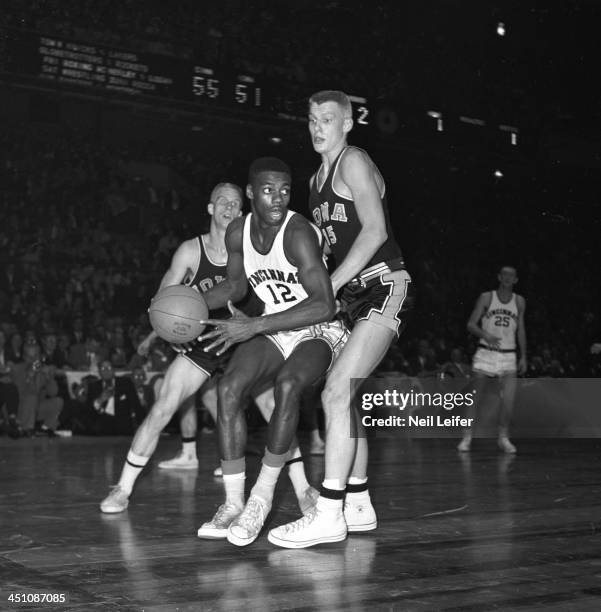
column 144, row 390
column 112, row 406
column 39, row 404
column 14, row 349
column 457, row 366
column 423, row 362
column 9, row 394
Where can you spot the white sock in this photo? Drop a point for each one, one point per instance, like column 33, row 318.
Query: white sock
column 234, row 488
column 131, row 470
column 361, row 496
column 265, row 485
column 189, row 449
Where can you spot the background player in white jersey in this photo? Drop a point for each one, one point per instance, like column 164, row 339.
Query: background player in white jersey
column 200, row 262
column 497, row 319
column 348, row 203
column 278, row 253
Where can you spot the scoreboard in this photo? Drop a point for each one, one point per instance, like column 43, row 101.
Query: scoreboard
column 101, row 68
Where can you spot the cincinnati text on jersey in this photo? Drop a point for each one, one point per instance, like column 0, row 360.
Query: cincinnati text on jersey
column 261, row 276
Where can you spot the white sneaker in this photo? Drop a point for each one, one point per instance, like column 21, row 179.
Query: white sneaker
column 245, row 529
column 218, row 472
column 180, row 462
column 116, row 501
column 314, row 528
column 308, row 499
column 506, row 446
column 465, row 445
column 360, row 515
column 216, row 528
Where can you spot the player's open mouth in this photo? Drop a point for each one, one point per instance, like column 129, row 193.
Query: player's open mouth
column 318, row 141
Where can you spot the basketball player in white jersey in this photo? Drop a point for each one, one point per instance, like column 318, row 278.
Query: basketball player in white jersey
column 497, row 320
column 200, row 262
column 348, row 202
column 278, row 253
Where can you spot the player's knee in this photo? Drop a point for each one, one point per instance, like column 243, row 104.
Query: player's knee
column 230, row 392
column 165, row 407
column 287, row 384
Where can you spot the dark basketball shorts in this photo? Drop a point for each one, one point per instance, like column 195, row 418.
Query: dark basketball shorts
column 207, row 361
column 382, row 294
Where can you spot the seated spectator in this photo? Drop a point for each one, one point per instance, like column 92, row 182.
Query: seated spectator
column 457, row 366
column 112, row 406
column 87, row 355
column 423, row 363
column 14, row 349
column 9, row 395
column 51, row 354
column 144, row 390
column 39, row 405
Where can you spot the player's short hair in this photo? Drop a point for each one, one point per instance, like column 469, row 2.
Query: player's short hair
column 508, row 266
column 267, row 164
column 333, row 95
column 233, row 186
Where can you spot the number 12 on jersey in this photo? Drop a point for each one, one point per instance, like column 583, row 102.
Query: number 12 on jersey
column 281, row 293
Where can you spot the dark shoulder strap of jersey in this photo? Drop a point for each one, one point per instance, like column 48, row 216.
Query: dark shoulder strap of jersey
column 192, row 280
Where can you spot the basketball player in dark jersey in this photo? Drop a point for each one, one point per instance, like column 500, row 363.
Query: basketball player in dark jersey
column 278, row 253
column 348, row 204
column 200, row 262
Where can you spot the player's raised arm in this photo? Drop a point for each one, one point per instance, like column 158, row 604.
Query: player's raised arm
column 235, row 286
column 181, row 264
column 357, row 172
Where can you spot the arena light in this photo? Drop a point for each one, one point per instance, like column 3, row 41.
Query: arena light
column 513, row 132
column 438, row 116
column 498, row 174
column 275, row 140
column 501, row 29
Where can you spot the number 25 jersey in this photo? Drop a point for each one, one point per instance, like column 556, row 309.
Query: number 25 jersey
column 273, row 278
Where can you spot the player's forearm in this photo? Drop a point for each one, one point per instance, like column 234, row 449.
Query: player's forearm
column 152, row 336
column 219, row 295
column 522, row 342
column 363, row 249
column 476, row 330
column 307, row 313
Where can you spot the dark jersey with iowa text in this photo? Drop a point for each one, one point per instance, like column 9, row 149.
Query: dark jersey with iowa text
column 336, row 217
column 207, row 275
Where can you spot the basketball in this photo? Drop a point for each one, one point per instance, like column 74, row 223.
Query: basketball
column 175, row 312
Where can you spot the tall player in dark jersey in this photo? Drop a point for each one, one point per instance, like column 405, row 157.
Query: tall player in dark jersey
column 348, row 203
column 200, row 262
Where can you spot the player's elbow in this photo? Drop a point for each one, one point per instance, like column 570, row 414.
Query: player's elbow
column 326, row 310
column 380, row 235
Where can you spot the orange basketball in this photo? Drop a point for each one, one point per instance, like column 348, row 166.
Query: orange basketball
column 175, row 312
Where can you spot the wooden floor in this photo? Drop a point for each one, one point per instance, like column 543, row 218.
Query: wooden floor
column 478, row 532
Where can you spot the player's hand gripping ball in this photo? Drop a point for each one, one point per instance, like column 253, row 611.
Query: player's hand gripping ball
column 175, row 313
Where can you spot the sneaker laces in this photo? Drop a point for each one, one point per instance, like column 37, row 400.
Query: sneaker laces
column 302, row 522
column 253, row 515
column 222, row 511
